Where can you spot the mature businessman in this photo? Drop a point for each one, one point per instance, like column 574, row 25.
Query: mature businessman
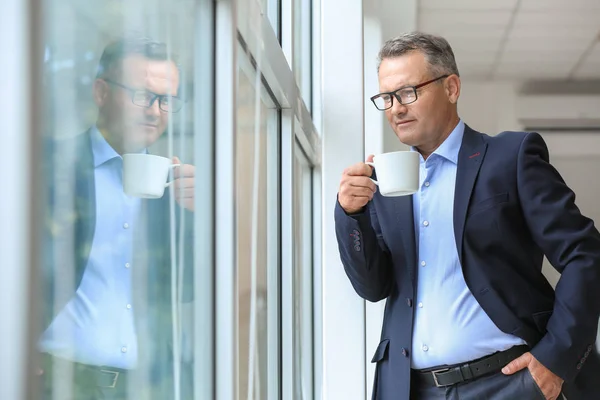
column 469, row 314
column 107, row 261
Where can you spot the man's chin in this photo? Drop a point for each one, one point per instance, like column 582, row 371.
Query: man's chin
column 406, row 136
column 137, row 146
column 142, row 138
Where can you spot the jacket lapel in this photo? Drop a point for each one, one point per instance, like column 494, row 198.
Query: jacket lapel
column 71, row 213
column 85, row 202
column 404, row 212
column 470, row 158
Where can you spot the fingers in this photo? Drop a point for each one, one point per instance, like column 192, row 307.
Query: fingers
column 517, row 364
column 184, row 170
column 356, row 188
column 183, row 184
column 182, row 193
column 184, row 187
column 358, row 169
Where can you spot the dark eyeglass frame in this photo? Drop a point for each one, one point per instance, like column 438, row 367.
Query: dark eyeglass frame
column 395, row 94
column 154, row 97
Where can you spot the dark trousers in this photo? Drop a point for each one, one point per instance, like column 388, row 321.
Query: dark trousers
column 497, row 386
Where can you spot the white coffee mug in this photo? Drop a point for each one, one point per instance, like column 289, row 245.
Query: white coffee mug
column 145, row 175
column 397, row 172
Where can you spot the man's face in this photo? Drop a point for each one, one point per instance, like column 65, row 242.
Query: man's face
column 422, row 123
column 131, row 126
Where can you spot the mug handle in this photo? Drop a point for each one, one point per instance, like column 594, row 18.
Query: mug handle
column 172, row 166
column 372, row 165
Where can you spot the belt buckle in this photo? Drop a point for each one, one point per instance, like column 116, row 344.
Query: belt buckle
column 433, row 373
column 114, row 379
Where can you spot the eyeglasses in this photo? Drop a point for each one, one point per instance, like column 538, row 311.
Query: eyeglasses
column 404, row 95
column 145, row 98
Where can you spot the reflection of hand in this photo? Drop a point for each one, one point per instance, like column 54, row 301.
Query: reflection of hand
column 549, row 383
column 356, row 188
column 183, row 185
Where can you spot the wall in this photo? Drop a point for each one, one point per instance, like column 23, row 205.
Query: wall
column 489, row 107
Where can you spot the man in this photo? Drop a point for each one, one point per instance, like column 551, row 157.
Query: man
column 469, row 314
column 108, row 263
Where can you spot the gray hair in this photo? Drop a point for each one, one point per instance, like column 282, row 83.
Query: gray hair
column 436, row 49
column 133, row 44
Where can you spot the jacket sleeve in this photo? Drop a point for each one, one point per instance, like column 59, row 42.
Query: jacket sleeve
column 572, row 245
column 365, row 256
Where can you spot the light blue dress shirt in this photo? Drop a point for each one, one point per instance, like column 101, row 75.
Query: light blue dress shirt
column 450, row 326
column 96, row 326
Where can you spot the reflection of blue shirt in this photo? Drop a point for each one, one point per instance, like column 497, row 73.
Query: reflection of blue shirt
column 97, row 326
column 450, row 326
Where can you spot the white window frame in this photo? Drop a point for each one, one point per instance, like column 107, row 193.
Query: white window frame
column 258, row 35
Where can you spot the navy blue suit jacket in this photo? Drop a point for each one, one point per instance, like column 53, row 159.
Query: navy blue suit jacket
column 510, row 208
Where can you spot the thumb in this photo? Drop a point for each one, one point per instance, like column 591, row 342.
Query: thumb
column 176, row 160
column 370, row 158
column 517, row 364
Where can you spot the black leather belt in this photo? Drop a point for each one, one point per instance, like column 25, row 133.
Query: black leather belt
column 99, row 376
column 451, row 375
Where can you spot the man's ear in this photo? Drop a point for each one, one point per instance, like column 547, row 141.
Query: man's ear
column 100, row 92
column 452, row 87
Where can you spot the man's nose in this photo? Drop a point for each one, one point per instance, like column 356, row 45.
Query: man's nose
column 153, row 109
column 398, row 108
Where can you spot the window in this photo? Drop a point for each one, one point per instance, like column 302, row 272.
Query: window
column 119, row 223
column 303, row 48
column 257, row 222
column 271, row 9
column 303, row 279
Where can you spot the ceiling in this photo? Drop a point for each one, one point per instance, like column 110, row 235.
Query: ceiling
column 518, row 39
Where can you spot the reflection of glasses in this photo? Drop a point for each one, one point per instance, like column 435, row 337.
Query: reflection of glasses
column 146, row 99
column 404, row 95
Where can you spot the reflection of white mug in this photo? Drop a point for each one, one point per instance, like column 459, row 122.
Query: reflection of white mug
column 397, row 172
column 145, row 175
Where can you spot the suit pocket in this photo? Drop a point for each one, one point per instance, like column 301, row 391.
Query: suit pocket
column 488, row 203
column 537, row 392
column 381, row 351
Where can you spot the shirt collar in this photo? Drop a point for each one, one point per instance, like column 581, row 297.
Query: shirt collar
column 451, row 146
column 101, row 150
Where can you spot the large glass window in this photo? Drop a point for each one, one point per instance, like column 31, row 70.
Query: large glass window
column 303, row 48
column 271, row 9
column 116, row 299
column 257, row 182
column 303, row 279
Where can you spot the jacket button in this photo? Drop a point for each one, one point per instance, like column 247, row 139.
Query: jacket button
column 404, row 352
column 409, row 302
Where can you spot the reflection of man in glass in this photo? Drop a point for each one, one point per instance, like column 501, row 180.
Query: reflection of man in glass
column 122, row 267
